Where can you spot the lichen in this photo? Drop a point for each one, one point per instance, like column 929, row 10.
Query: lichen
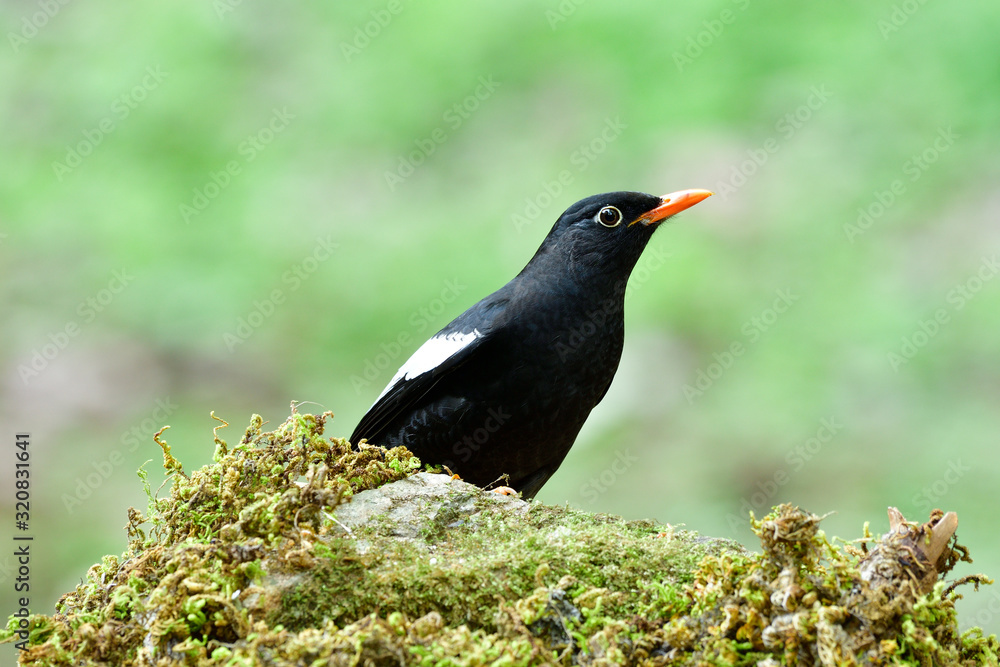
column 246, row 562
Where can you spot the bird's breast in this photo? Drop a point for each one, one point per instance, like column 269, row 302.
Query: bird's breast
column 574, row 352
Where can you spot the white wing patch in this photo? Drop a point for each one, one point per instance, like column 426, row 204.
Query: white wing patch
column 430, row 355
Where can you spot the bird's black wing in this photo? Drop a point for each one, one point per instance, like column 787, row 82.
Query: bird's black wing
column 431, row 363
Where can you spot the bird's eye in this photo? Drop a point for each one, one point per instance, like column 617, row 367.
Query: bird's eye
column 609, row 216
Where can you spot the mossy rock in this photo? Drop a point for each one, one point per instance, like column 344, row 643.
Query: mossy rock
column 435, row 544
column 294, row 549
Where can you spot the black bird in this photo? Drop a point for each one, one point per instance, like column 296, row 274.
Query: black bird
column 506, row 387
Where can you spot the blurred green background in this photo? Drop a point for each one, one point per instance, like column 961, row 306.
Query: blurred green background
column 227, row 206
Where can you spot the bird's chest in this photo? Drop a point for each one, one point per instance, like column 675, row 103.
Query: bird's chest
column 572, row 355
column 590, row 350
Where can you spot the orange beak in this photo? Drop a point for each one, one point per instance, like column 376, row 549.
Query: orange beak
column 672, row 204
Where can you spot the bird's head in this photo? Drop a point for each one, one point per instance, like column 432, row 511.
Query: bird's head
column 606, row 234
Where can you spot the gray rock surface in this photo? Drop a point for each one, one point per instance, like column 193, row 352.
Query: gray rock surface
column 405, row 509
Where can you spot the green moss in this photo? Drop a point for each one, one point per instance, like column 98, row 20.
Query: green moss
column 464, row 572
column 244, row 563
